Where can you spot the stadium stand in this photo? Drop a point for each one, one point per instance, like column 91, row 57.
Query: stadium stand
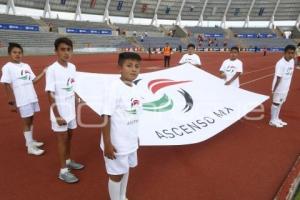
column 204, row 30
column 252, row 30
column 20, row 20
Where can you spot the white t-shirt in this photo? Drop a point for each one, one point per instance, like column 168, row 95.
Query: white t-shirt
column 61, row 81
column 230, row 68
column 283, row 69
column 123, row 104
column 193, row 59
column 20, row 77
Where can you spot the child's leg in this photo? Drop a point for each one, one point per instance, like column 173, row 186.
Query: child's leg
column 275, row 110
column 68, row 152
column 114, row 187
column 165, row 61
column 124, row 183
column 62, row 145
column 169, row 58
column 27, row 124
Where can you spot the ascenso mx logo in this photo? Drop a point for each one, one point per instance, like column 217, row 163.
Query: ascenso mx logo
column 165, row 102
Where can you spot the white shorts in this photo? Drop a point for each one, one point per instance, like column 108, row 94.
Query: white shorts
column 279, row 98
column 121, row 164
column 29, row 109
column 71, row 125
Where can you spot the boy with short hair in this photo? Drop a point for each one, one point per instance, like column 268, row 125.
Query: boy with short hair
column 18, row 80
column 60, row 80
column 232, row 68
column 191, row 57
column 281, row 83
column 119, row 141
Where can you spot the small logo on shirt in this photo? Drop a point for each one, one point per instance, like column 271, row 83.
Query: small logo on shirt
column 69, row 84
column 230, row 69
column 134, row 104
column 25, row 75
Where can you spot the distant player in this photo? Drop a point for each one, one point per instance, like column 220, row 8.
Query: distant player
column 281, row 84
column 18, row 80
column 232, row 68
column 119, row 141
column 191, row 57
column 167, row 51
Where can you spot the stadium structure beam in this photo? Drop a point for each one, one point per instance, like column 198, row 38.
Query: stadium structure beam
column 200, row 21
column 271, row 23
column 223, row 23
column 178, row 20
column 78, row 11
column 298, row 23
column 47, row 9
column 246, row 23
column 106, row 12
column 131, row 15
column 154, row 20
column 10, row 5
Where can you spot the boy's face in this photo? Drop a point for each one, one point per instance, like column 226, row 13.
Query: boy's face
column 233, row 54
column 290, row 54
column 64, row 52
column 16, row 54
column 130, row 69
column 191, row 50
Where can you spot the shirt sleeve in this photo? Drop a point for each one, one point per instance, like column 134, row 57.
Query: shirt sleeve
column 240, row 67
column 182, row 60
column 279, row 69
column 50, row 80
column 110, row 100
column 5, row 78
column 222, row 68
column 198, row 60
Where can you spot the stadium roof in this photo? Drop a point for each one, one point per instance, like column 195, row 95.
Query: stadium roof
column 213, row 10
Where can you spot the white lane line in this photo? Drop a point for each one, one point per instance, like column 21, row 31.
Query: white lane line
column 260, row 78
column 258, row 70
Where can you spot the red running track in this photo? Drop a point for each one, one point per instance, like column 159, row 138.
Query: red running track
column 248, row 161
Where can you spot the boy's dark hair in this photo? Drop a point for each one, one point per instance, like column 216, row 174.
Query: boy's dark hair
column 289, row 47
column 235, row 48
column 298, row 44
column 128, row 56
column 12, row 45
column 63, row 40
column 191, row 45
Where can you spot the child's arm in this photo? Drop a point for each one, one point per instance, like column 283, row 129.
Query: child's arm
column 109, row 149
column 233, row 78
column 278, row 79
column 223, row 75
column 10, row 96
column 60, row 121
column 38, row 77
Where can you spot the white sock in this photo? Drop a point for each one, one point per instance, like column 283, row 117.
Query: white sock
column 274, row 113
column 28, row 137
column 64, row 170
column 68, row 161
column 278, row 111
column 124, row 182
column 114, row 189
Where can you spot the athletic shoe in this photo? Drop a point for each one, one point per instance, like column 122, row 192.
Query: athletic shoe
column 275, row 124
column 282, row 122
column 68, row 177
column 36, row 143
column 74, row 165
column 34, row 150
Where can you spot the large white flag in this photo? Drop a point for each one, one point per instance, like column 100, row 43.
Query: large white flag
column 181, row 105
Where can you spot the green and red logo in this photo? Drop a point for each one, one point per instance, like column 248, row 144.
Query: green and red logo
column 69, row 84
column 165, row 103
column 134, row 104
column 25, row 75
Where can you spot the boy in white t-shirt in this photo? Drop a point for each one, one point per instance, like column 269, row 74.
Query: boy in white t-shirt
column 18, row 80
column 232, row 68
column 60, row 83
column 281, row 84
column 191, row 57
column 119, row 141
